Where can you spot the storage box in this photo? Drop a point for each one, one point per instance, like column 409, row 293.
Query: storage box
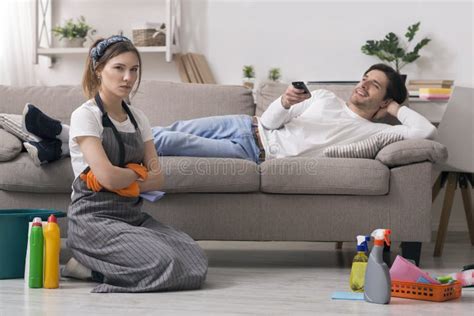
column 149, row 34
column 426, row 292
column 14, row 238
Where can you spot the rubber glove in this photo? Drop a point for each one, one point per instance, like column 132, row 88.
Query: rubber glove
column 133, row 190
column 91, row 181
column 140, row 170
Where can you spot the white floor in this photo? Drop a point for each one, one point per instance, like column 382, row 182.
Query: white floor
column 248, row 278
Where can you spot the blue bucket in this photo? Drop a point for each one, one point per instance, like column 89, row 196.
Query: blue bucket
column 14, row 239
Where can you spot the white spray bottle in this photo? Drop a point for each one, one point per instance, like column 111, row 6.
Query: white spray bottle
column 377, row 277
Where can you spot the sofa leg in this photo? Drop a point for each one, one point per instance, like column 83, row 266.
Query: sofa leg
column 411, row 250
column 386, row 255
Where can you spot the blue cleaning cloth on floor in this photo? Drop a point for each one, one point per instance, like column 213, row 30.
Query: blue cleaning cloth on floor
column 152, row 196
column 348, row 296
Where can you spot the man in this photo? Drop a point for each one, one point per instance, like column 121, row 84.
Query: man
column 295, row 125
column 300, row 125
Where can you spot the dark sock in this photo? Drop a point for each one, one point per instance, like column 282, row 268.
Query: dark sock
column 39, row 124
column 45, row 151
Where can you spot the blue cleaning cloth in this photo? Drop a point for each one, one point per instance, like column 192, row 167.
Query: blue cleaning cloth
column 352, row 296
column 422, row 280
column 152, row 196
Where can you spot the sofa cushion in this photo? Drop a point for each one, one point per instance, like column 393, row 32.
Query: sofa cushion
column 10, row 146
column 324, row 176
column 167, row 102
column 57, row 101
column 412, row 151
column 21, row 174
column 195, row 174
column 12, row 123
column 182, row 174
column 163, row 102
column 367, row 148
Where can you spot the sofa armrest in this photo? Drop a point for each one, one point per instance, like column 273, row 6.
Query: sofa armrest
column 412, row 151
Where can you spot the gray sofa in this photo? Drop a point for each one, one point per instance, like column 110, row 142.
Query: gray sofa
column 294, row 199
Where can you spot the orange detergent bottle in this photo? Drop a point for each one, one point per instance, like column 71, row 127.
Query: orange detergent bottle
column 52, row 244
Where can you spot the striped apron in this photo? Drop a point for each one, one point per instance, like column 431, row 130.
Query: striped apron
column 128, row 250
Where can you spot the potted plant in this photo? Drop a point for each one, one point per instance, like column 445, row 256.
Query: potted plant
column 73, row 34
column 391, row 50
column 249, row 76
column 274, row 74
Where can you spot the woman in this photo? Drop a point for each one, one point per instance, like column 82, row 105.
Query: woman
column 114, row 159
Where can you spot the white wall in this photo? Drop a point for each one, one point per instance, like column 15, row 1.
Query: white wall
column 308, row 40
column 321, row 40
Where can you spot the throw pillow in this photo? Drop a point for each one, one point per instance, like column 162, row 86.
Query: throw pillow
column 412, row 151
column 10, row 146
column 12, row 123
column 367, row 148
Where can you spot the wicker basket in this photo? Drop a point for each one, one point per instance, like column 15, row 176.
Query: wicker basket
column 149, row 37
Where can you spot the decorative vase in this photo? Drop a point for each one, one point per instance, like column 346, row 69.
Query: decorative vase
column 71, row 42
column 404, row 78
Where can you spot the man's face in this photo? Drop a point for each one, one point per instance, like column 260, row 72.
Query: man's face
column 369, row 93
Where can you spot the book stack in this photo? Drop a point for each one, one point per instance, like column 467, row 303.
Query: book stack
column 430, row 89
column 435, row 93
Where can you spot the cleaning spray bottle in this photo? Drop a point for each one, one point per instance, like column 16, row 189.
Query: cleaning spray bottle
column 377, row 277
column 52, row 247
column 359, row 265
column 35, row 276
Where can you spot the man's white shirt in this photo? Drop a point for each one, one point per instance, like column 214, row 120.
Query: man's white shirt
column 307, row 128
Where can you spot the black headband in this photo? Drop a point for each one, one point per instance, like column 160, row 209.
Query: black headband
column 99, row 50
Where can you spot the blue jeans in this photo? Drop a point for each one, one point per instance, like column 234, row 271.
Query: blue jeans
column 228, row 136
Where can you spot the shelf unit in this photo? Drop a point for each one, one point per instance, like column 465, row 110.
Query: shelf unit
column 43, row 36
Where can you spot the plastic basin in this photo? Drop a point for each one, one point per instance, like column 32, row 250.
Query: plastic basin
column 14, row 238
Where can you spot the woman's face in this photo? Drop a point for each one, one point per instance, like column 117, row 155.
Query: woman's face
column 120, row 74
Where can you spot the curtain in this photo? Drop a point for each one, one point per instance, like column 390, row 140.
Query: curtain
column 17, row 42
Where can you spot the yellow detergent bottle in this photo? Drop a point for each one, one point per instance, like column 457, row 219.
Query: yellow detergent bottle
column 359, row 265
column 52, row 243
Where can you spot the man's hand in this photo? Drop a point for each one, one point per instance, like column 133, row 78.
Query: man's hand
column 293, row 96
column 391, row 108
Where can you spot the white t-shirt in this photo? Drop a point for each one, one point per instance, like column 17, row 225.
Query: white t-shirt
column 86, row 120
column 307, row 128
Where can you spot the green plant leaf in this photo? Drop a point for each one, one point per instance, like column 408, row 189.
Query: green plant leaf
column 390, row 43
column 410, row 34
column 391, row 50
column 72, row 30
column 421, row 44
column 399, row 52
column 410, row 57
column 371, row 47
column 384, row 56
column 248, row 71
column 274, row 74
